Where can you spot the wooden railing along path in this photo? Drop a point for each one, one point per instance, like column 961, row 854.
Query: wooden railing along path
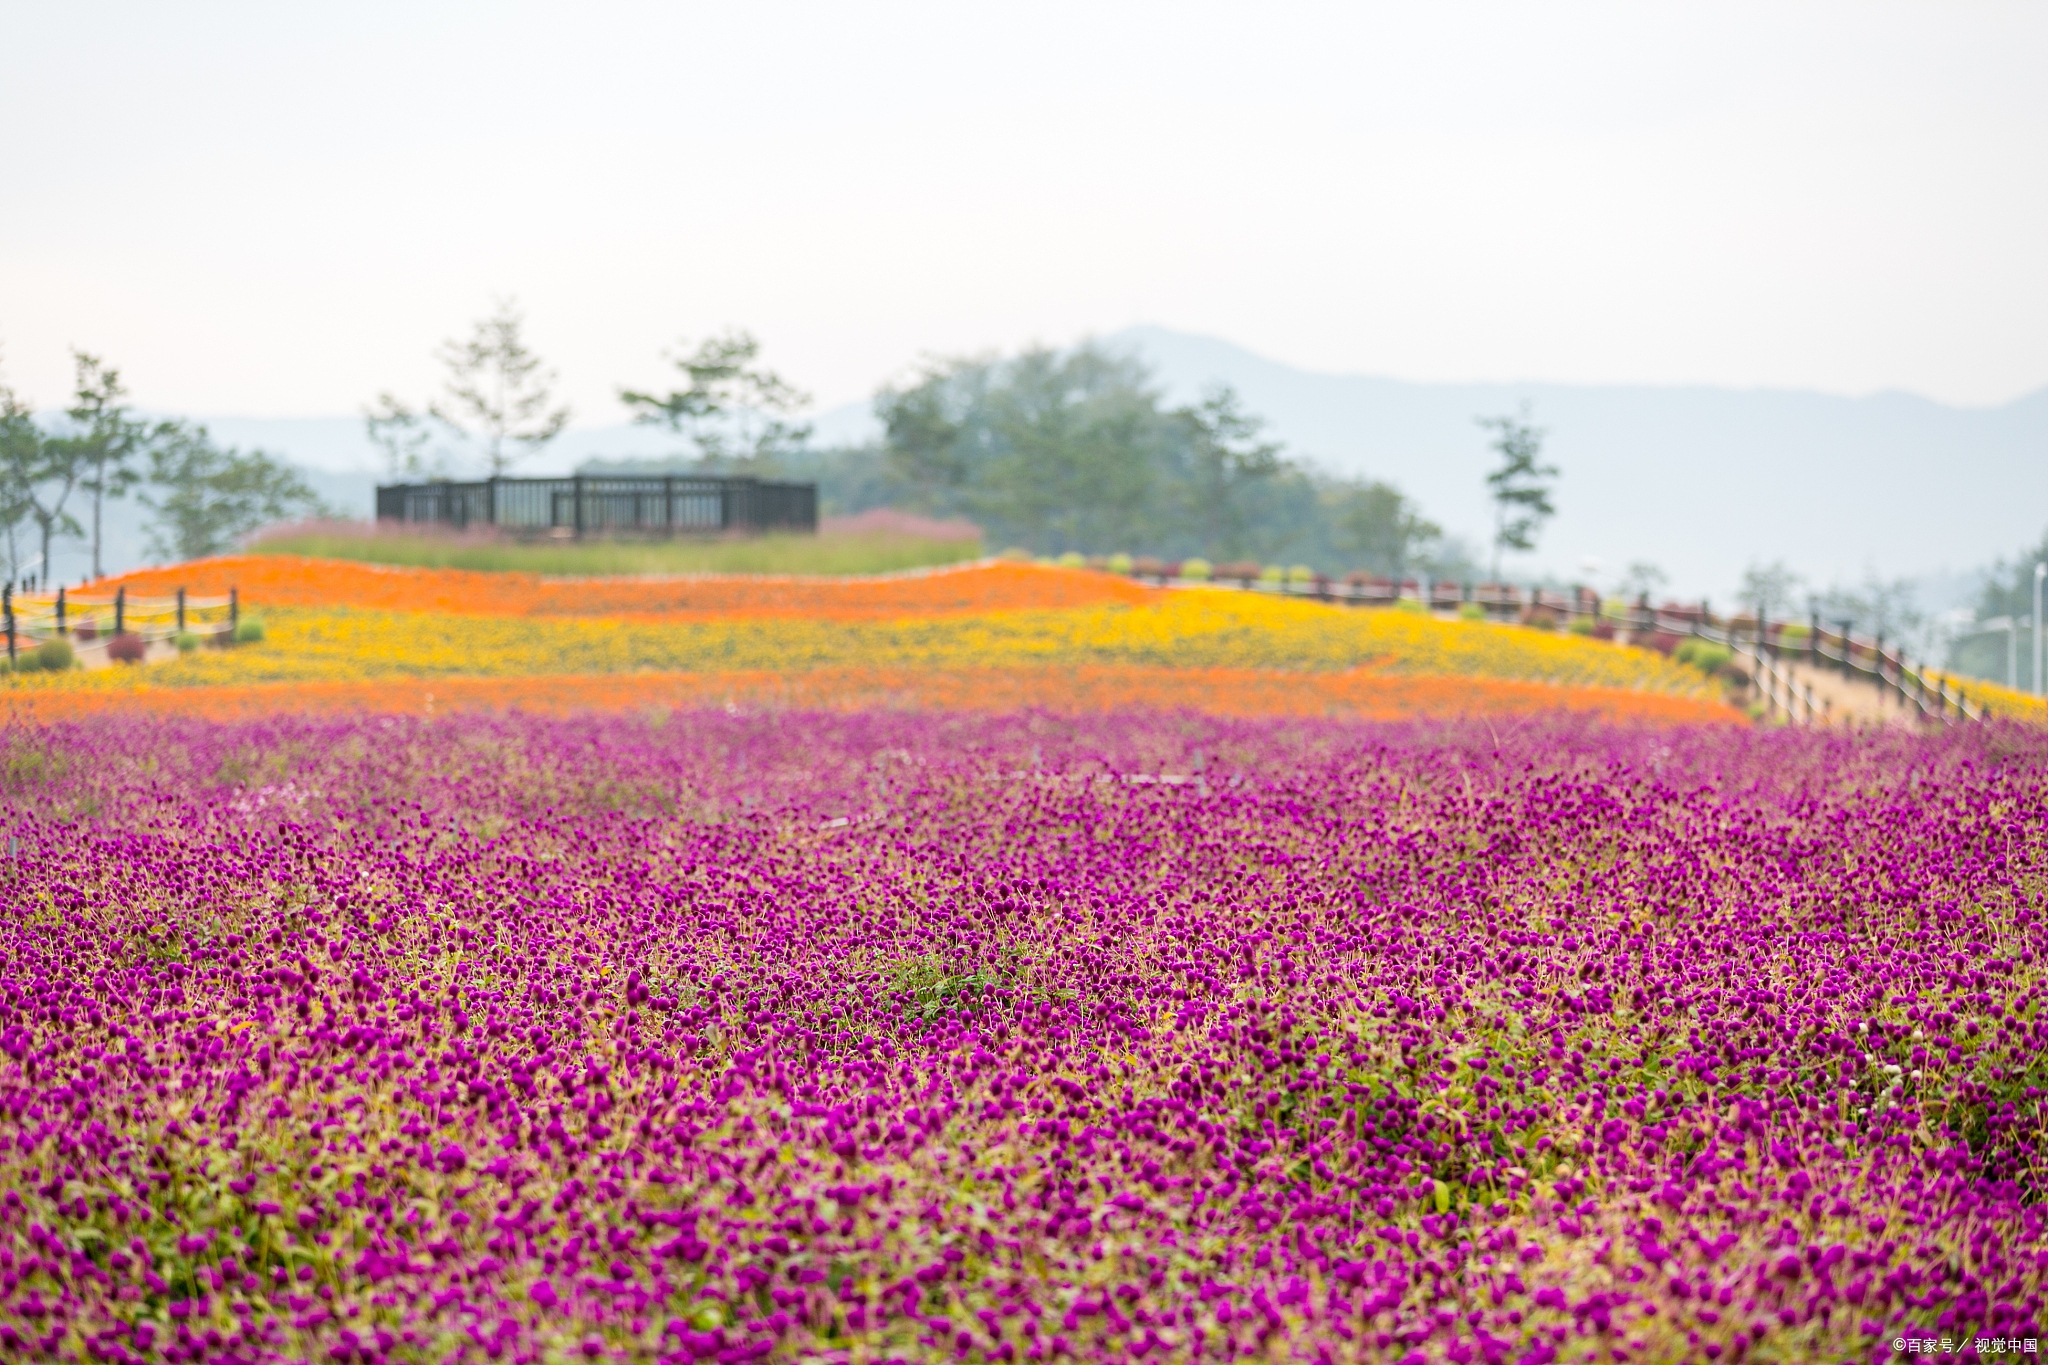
column 31, row 618
column 1769, row 649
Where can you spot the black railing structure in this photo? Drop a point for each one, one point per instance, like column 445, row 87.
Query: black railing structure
column 1765, row 648
column 600, row 505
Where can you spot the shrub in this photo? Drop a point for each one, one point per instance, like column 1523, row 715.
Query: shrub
column 1581, row 625
column 1243, row 570
column 1540, row 619
column 1119, row 563
column 85, row 632
column 1072, row 559
column 54, row 655
column 1704, row 655
column 248, row 630
column 1197, row 569
column 1471, row 611
column 186, row 641
column 1016, row 554
column 1301, row 573
column 1414, row 606
column 127, row 648
column 1272, row 573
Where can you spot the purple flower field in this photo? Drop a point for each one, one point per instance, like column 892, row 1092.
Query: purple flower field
column 871, row 1037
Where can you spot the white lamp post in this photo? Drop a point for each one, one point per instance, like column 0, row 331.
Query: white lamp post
column 2011, row 626
column 2040, row 572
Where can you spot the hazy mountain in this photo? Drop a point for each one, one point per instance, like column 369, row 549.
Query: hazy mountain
column 1699, row 480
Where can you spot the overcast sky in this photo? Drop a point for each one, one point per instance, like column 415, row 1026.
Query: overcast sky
column 273, row 209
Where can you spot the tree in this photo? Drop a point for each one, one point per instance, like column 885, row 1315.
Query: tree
column 1225, row 460
column 1055, row 450
column 21, row 464
column 1769, row 589
column 1076, row 450
column 1882, row 607
column 44, row 470
column 209, row 497
column 1377, row 525
column 1640, row 580
column 105, row 440
column 498, row 400
column 2009, row 584
column 735, row 412
column 2007, row 591
column 1520, row 486
column 403, row 437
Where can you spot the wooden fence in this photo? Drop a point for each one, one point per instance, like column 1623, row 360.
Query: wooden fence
column 1766, row 647
column 33, row 617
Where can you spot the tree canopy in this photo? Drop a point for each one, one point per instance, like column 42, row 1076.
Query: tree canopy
column 496, row 402
column 1519, row 485
column 739, row 414
column 207, row 497
column 1078, row 450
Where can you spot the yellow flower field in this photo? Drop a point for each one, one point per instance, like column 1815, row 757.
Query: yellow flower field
column 1191, row 629
column 2000, row 700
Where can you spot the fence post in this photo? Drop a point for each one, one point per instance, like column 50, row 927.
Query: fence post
column 234, row 610
column 61, row 630
column 1813, row 639
column 1877, row 662
column 668, row 504
column 120, row 609
column 7, row 603
column 181, row 611
column 578, row 495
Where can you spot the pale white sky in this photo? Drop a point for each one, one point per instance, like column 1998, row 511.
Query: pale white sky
column 270, row 209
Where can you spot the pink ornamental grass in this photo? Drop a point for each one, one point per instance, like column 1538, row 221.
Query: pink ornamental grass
column 897, row 1037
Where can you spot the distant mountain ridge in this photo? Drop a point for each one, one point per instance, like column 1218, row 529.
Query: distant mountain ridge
column 1699, row 480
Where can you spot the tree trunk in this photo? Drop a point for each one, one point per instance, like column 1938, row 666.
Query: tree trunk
column 99, row 483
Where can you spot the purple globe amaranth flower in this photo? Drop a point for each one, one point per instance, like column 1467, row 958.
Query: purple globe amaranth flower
column 515, row 1035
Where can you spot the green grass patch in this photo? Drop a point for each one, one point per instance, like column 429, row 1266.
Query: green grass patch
column 770, row 554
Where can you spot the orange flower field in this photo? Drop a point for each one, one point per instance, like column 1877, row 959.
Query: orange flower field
column 348, row 636
column 1075, row 690
column 290, row 581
